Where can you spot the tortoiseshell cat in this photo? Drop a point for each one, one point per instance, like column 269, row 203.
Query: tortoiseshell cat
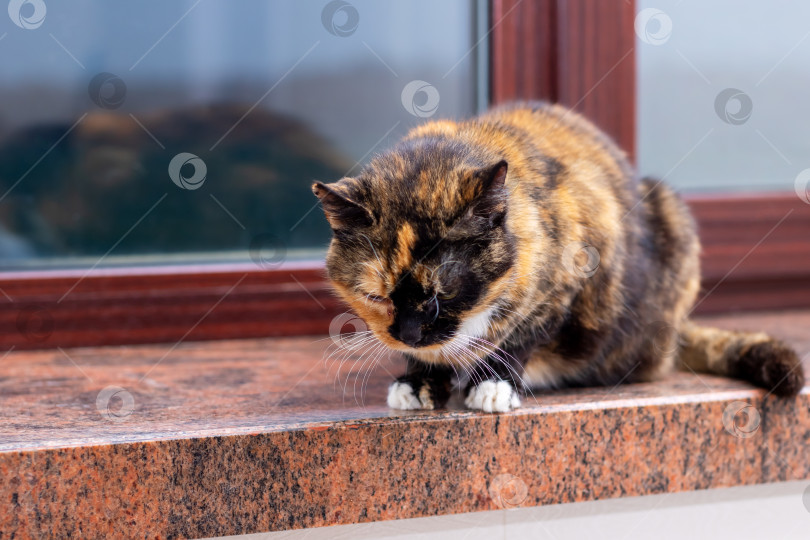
column 518, row 250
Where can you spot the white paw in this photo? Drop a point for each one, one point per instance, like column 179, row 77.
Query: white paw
column 401, row 396
column 492, row 396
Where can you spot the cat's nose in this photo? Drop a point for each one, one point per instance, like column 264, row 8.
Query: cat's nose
column 410, row 332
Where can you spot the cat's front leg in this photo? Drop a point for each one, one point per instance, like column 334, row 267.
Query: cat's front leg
column 422, row 387
column 492, row 395
column 492, row 388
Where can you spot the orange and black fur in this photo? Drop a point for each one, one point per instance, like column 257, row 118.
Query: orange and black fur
column 518, row 250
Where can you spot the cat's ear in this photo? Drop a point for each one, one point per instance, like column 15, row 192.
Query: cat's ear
column 490, row 192
column 493, row 177
column 341, row 210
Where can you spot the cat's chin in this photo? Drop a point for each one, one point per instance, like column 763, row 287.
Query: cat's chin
column 435, row 353
column 444, row 351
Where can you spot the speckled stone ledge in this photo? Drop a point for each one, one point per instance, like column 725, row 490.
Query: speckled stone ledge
column 211, row 439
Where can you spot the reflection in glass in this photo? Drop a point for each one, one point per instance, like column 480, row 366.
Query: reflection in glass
column 253, row 101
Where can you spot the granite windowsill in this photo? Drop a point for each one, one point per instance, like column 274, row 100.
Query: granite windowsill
column 245, row 436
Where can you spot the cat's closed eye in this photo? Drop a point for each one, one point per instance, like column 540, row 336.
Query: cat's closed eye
column 379, row 302
column 447, row 295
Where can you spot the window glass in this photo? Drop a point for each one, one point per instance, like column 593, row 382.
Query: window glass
column 722, row 101
column 153, row 131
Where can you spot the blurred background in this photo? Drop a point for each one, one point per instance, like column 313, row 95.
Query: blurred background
column 261, row 98
column 270, row 96
column 759, row 49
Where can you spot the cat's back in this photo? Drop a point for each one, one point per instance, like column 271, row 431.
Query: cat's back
column 550, row 150
column 528, row 129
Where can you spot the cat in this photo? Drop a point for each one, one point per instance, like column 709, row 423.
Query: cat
column 517, row 251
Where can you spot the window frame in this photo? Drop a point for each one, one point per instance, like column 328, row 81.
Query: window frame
column 575, row 52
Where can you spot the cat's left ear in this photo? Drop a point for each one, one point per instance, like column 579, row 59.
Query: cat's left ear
column 493, row 177
column 490, row 192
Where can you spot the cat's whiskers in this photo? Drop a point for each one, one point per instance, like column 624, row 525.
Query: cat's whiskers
column 341, row 347
column 463, row 363
column 486, row 371
column 347, row 344
column 371, row 360
column 455, row 371
column 484, row 344
column 377, row 356
column 476, row 345
column 473, row 358
column 354, row 363
column 346, row 347
column 361, row 359
column 470, row 362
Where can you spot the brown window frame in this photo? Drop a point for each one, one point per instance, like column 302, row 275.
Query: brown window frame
column 577, row 52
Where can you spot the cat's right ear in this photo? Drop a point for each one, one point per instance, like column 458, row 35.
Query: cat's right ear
column 341, row 210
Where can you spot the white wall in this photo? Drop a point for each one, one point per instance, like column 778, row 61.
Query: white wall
column 772, row 511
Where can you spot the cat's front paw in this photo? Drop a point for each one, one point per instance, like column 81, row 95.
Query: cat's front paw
column 492, row 396
column 401, row 395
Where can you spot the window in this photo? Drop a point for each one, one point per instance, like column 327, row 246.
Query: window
column 722, row 94
column 152, row 132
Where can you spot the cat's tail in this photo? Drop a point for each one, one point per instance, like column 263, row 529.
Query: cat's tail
column 755, row 357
